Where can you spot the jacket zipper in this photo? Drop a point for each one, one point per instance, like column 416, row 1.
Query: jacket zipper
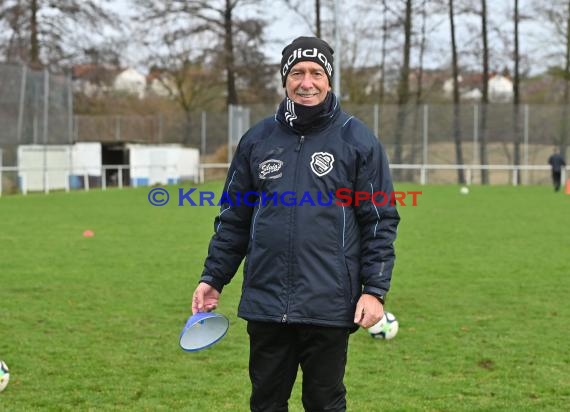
column 292, row 226
column 298, row 149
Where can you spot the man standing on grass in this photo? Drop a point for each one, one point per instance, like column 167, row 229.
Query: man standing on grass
column 556, row 162
column 313, row 273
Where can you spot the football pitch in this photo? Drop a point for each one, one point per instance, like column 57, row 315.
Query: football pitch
column 481, row 289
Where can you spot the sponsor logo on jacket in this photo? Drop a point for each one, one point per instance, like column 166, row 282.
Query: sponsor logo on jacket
column 270, row 169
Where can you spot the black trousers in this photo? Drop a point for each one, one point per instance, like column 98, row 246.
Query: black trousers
column 276, row 352
column 556, row 177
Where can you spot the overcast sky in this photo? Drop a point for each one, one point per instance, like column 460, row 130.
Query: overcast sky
column 284, row 25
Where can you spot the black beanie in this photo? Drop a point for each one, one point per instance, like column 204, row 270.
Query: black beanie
column 310, row 49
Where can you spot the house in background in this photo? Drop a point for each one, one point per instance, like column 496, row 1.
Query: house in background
column 130, row 81
column 501, row 89
column 97, row 80
column 471, row 85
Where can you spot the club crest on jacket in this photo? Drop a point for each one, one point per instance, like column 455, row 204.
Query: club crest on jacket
column 321, row 163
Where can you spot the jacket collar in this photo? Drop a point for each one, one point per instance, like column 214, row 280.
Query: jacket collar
column 307, row 119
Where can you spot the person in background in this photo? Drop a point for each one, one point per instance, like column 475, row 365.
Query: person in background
column 557, row 163
column 313, row 274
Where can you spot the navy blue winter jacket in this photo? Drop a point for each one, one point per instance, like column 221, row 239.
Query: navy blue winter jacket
column 305, row 263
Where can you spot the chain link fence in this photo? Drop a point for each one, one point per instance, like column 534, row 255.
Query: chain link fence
column 492, row 135
column 423, row 127
column 36, row 107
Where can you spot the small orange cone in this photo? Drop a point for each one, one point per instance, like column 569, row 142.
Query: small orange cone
column 567, row 187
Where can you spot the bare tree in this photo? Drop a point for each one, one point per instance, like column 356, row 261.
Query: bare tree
column 516, row 93
column 360, row 33
column 567, row 62
column 217, row 20
column 387, row 26
column 403, row 84
column 566, row 99
column 419, row 90
column 256, row 78
column 456, row 100
column 484, row 95
column 189, row 82
column 384, row 50
column 318, row 18
column 556, row 13
column 421, row 52
column 299, row 8
column 51, row 32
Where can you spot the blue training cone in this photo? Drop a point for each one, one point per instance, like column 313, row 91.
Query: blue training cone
column 202, row 330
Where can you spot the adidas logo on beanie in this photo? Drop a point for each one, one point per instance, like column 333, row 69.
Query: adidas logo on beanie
column 310, row 49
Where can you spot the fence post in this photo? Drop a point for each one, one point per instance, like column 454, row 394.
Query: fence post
column 230, row 130
column 103, row 178
column 515, row 175
column 160, row 122
column 46, row 178
column 475, row 131
column 46, row 106
column 46, row 125
column 525, row 150
column 22, row 102
column 376, row 120
column 423, row 172
column 117, row 128
column 69, row 129
column 24, row 182
column 69, row 108
column 203, row 134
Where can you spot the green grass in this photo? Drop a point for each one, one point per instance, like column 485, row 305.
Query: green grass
column 480, row 289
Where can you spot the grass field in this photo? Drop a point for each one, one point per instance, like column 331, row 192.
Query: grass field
column 480, row 289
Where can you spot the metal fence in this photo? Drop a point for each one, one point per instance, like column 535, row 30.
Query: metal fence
column 207, row 131
column 37, row 108
column 426, row 133
column 489, row 137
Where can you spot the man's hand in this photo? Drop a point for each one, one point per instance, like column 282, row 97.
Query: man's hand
column 369, row 311
column 205, row 298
